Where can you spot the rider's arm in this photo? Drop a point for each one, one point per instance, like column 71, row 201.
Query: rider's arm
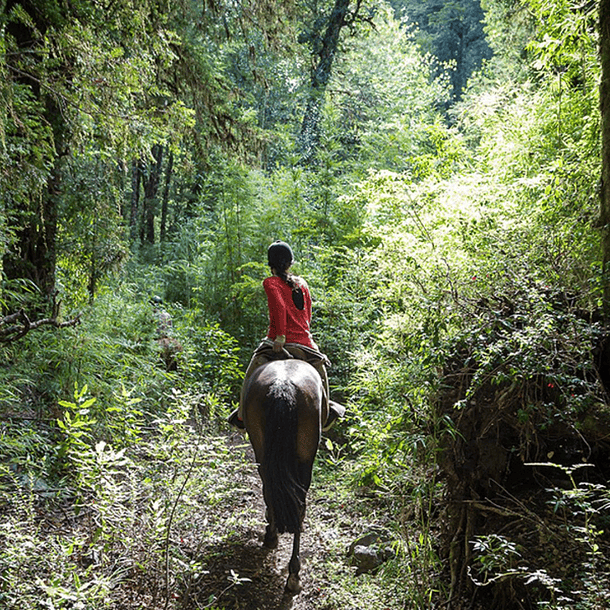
column 277, row 308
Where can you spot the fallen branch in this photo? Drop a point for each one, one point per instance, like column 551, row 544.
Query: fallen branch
column 15, row 326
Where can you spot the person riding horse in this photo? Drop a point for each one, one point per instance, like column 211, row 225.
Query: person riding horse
column 289, row 332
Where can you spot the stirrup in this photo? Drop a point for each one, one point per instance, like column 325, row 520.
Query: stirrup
column 335, row 411
column 234, row 420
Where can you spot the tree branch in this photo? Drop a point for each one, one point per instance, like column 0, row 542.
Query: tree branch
column 15, row 326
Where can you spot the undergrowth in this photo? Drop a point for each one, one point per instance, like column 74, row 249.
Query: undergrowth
column 119, row 486
column 123, row 526
column 154, row 520
column 524, row 390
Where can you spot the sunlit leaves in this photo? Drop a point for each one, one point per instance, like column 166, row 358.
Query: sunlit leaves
column 566, row 40
column 386, row 94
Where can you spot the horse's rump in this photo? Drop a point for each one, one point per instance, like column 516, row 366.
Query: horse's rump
column 282, row 416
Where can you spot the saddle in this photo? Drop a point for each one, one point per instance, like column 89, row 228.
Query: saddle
column 292, row 350
column 331, row 410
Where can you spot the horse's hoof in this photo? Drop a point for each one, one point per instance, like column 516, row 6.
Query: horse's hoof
column 293, row 585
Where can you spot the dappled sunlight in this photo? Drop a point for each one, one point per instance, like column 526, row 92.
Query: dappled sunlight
column 438, row 171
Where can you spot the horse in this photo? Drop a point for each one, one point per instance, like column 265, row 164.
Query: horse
column 283, row 415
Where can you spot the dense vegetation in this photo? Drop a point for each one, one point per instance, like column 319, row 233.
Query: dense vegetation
column 436, row 167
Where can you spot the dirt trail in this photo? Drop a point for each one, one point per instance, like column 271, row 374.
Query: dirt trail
column 266, row 570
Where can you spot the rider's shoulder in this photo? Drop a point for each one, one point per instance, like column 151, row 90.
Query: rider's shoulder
column 272, row 280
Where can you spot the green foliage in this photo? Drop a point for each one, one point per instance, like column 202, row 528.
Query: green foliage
column 91, row 239
column 386, row 98
column 533, row 340
column 118, row 336
column 575, row 527
column 76, row 424
column 211, row 358
column 461, row 243
column 565, row 41
column 452, row 33
column 116, row 456
column 44, row 570
column 123, row 531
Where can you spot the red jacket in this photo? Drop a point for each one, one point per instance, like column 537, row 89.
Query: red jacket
column 284, row 317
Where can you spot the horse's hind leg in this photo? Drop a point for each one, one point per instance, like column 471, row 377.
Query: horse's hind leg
column 271, row 537
column 293, row 584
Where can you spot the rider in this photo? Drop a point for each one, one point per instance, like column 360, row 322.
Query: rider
column 289, row 319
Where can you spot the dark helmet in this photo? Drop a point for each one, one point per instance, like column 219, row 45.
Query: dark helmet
column 280, row 255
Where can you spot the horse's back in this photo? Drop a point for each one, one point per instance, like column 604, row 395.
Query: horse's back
column 295, row 385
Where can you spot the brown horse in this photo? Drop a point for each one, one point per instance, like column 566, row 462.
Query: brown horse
column 283, row 417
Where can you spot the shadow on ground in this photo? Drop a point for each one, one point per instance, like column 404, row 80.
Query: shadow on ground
column 243, row 575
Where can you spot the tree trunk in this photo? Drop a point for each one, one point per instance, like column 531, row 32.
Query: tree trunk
column 604, row 97
column 93, row 270
column 136, row 177
column 151, row 187
column 33, row 256
column 165, row 199
column 310, row 127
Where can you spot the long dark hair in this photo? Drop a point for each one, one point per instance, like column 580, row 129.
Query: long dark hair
column 298, row 298
column 280, row 257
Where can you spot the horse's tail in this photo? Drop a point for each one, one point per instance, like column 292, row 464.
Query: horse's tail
column 286, row 491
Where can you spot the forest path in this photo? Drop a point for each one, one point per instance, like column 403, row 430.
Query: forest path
column 240, row 555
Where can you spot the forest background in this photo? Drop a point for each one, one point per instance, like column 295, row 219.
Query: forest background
column 436, row 166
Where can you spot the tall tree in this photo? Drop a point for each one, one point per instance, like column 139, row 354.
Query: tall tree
column 604, row 98
column 44, row 133
column 152, row 179
column 80, row 78
column 323, row 39
column 165, row 198
column 137, row 168
column 324, row 48
column 452, row 32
